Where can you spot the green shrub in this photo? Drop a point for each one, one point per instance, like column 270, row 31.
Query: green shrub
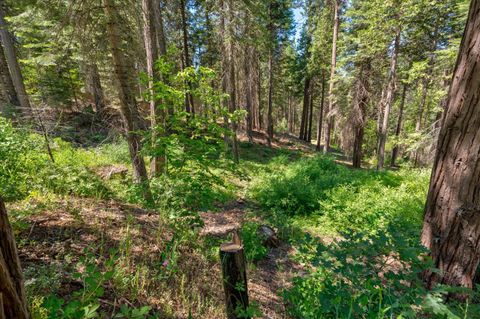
column 367, row 276
column 317, row 192
column 372, row 205
column 297, row 189
column 25, row 166
column 20, row 160
column 252, row 243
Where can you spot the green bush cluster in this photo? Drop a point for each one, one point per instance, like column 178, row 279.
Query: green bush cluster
column 371, row 269
column 25, row 166
column 19, row 156
column 369, row 276
column 317, row 192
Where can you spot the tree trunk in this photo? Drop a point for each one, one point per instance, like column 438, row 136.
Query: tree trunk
column 333, row 67
column 258, row 113
column 360, row 104
column 303, row 123
column 11, row 56
column 94, row 86
column 152, row 53
column 310, row 114
column 387, row 101
column 189, row 106
column 248, row 93
column 232, row 90
column 12, row 293
column 290, row 114
column 270, row 100
column 128, row 103
column 234, row 272
column 451, row 228
column 399, row 125
column 6, row 85
column 159, row 29
column 320, row 114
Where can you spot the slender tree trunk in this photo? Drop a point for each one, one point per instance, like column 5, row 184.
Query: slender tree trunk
column 150, row 36
column 259, row 124
column 128, row 103
column 451, row 227
column 11, row 57
column 6, row 83
column 320, row 113
column 94, row 86
column 443, row 102
column 13, row 303
column 248, row 93
column 306, row 99
column 189, row 106
column 310, row 114
column 333, row 67
column 159, row 29
column 387, row 101
column 270, row 100
column 399, row 125
column 290, row 114
column 162, row 49
column 360, row 104
column 231, row 79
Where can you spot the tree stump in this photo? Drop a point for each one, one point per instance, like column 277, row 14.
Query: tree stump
column 12, row 295
column 268, row 236
column 232, row 258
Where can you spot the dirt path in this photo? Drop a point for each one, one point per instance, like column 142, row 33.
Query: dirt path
column 268, row 277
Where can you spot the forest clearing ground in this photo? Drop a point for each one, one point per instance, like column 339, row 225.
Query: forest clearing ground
column 269, row 276
column 55, row 231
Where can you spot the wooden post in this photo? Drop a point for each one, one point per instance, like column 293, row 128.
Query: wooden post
column 13, row 301
column 232, row 258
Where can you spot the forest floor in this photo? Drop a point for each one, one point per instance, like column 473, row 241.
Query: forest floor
column 269, row 277
column 88, row 243
column 60, row 236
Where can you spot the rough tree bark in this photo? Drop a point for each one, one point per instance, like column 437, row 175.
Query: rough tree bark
column 398, row 130
column 12, row 61
column 333, row 67
column 360, row 104
column 451, row 228
column 234, row 273
column 7, row 87
column 128, row 103
column 386, row 101
column 12, row 293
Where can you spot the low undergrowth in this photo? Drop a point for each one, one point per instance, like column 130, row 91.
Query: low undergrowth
column 92, row 248
column 319, row 195
column 357, row 234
